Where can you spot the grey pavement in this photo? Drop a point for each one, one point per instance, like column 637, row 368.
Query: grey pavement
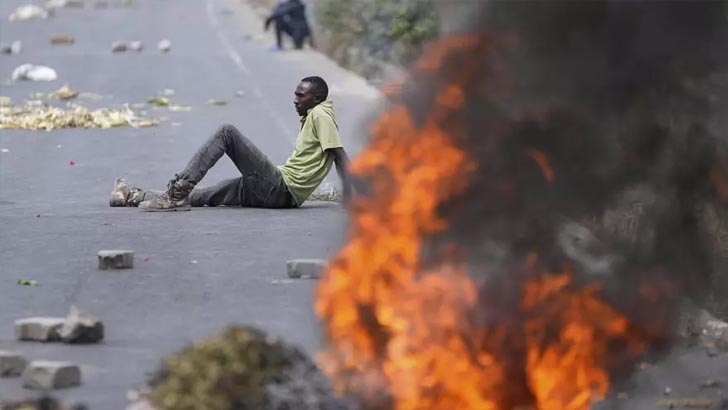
column 54, row 216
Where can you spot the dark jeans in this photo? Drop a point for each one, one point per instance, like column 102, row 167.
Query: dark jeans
column 261, row 184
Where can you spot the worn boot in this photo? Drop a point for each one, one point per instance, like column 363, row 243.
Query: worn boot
column 123, row 195
column 175, row 199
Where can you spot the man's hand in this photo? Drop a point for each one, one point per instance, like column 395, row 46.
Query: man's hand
column 342, row 167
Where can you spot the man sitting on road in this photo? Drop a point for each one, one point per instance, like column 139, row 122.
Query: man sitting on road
column 262, row 184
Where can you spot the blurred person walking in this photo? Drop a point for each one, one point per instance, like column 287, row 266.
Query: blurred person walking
column 289, row 17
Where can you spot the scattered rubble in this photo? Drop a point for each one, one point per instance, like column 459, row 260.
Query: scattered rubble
column 27, row 282
column 46, row 375
column 42, row 403
column 55, row 4
column 175, row 107
column 40, row 116
column 12, row 364
column 137, row 46
column 39, row 329
column 305, row 268
column 13, row 48
column 32, row 72
column 57, row 39
column 710, row 383
column 81, row 327
column 216, row 102
column 259, row 372
column 64, row 93
column 686, row 403
column 118, row 47
column 28, row 12
column 164, row 46
column 116, row 259
column 159, row 101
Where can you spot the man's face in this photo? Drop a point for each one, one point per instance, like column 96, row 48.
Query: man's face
column 305, row 99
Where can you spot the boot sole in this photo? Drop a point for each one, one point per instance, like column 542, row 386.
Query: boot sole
column 176, row 209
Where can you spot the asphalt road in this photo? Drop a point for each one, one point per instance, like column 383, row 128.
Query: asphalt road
column 54, row 216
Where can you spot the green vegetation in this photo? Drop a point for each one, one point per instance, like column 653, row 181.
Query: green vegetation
column 360, row 33
column 222, row 373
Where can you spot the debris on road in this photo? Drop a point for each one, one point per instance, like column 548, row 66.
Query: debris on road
column 268, row 375
column 58, row 39
column 28, row 12
column 64, row 93
column 13, row 48
column 71, row 163
column 159, row 101
column 175, row 107
column 4, row 150
column 12, row 364
column 240, row 93
column 46, row 375
column 80, row 327
column 137, row 46
column 710, row 383
column 33, row 116
column 118, row 47
column 305, row 268
column 26, row 282
column 116, row 259
column 34, row 73
column 164, row 46
column 41, row 403
column 686, row 403
column 55, row 4
column 216, row 102
column 39, row 329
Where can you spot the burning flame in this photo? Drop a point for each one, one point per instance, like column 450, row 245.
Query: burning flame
column 402, row 321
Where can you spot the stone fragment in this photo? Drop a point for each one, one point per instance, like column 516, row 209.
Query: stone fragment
column 116, row 259
column 45, row 375
column 13, row 48
column 11, row 364
column 40, row 329
column 81, row 327
column 305, row 268
column 57, row 39
column 137, row 46
column 118, row 47
column 164, row 46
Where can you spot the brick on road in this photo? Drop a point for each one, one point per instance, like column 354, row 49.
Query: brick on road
column 12, row 364
column 44, row 375
column 41, row 329
column 116, row 259
column 305, row 268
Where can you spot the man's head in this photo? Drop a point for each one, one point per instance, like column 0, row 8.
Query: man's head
column 310, row 92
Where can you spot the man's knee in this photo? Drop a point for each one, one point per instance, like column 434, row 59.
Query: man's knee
column 227, row 129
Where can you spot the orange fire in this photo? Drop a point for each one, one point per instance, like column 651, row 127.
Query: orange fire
column 404, row 332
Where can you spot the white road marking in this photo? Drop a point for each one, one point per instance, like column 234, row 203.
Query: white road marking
column 240, row 64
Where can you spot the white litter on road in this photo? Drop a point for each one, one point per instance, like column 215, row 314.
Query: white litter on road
column 28, row 12
column 34, row 73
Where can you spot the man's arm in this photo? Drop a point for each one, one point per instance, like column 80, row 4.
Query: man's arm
column 341, row 160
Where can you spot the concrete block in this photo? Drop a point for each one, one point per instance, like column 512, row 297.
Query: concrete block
column 81, row 327
column 11, row 364
column 116, row 259
column 45, row 375
column 40, row 329
column 305, row 268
